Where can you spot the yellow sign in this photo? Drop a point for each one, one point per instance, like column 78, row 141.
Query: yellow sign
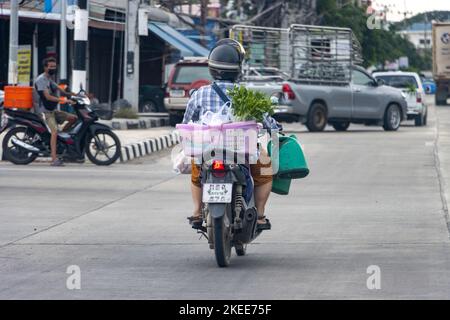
column 24, row 65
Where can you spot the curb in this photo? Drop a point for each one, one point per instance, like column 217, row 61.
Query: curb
column 124, row 124
column 147, row 147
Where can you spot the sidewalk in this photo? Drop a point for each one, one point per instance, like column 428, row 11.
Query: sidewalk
column 442, row 150
column 150, row 120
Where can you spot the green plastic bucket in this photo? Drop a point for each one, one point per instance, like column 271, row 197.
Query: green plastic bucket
column 291, row 160
column 291, row 163
column 281, row 186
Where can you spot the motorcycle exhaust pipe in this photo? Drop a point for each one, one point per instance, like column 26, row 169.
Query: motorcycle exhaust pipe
column 24, row 145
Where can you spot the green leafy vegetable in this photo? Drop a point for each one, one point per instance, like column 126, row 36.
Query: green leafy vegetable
column 249, row 104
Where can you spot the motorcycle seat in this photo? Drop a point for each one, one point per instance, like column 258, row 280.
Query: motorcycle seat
column 24, row 114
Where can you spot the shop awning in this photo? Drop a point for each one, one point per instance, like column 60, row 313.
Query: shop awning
column 187, row 47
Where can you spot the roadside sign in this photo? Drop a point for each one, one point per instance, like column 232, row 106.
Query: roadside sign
column 24, row 64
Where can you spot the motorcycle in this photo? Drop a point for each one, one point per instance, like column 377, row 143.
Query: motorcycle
column 29, row 137
column 228, row 207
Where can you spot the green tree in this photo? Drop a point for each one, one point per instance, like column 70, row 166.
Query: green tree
column 378, row 45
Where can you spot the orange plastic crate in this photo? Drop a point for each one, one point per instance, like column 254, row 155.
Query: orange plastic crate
column 18, row 97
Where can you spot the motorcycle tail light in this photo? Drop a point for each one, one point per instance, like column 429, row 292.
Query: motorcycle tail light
column 218, row 165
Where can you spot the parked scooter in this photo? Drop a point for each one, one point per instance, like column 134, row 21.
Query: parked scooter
column 29, row 137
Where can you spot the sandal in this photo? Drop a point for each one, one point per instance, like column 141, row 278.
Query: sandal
column 195, row 221
column 263, row 226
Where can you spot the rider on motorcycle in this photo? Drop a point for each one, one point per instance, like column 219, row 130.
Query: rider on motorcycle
column 47, row 100
column 225, row 64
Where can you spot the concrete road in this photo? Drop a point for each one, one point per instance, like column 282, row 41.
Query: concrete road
column 373, row 198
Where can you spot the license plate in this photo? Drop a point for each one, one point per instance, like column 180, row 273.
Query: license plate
column 217, row 192
column 176, row 93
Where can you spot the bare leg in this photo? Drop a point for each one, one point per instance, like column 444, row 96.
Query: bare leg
column 262, row 194
column 53, row 140
column 197, row 199
column 69, row 124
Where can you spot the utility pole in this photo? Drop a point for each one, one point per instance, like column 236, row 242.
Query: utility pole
column 131, row 66
column 35, row 51
column 425, row 26
column 13, row 42
column 63, row 43
column 80, row 40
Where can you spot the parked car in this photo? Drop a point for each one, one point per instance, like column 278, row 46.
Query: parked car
column 411, row 84
column 362, row 100
column 151, row 99
column 187, row 74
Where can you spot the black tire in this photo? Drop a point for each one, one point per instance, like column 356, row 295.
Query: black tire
column 419, row 120
column 341, row 126
column 16, row 154
column 241, row 249
column 222, row 241
column 317, row 117
column 149, row 106
column 174, row 119
column 392, row 118
column 100, row 147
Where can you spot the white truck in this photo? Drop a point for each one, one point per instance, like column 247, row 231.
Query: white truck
column 441, row 61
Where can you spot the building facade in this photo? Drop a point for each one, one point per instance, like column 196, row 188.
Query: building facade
column 419, row 34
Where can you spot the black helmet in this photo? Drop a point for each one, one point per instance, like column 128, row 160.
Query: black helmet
column 225, row 60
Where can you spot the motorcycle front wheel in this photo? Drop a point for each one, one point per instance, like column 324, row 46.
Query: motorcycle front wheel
column 103, row 148
column 14, row 153
column 222, row 240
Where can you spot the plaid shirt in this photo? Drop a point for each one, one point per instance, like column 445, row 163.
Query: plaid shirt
column 206, row 99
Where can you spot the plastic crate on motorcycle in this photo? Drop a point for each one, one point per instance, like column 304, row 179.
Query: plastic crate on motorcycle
column 235, row 137
column 19, row 97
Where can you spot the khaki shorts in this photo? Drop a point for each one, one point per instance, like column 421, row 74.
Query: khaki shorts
column 53, row 118
column 261, row 171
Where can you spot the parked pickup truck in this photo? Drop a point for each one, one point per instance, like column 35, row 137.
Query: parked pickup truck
column 362, row 100
column 267, row 80
column 326, row 84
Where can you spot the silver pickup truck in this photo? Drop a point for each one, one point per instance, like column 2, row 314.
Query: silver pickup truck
column 362, row 100
column 265, row 80
column 326, row 84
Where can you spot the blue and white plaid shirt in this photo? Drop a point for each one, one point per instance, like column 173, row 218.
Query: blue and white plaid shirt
column 206, row 99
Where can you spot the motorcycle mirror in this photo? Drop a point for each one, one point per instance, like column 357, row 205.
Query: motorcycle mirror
column 82, row 91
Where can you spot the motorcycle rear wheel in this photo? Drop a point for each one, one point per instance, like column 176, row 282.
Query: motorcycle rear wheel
column 222, row 241
column 16, row 154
